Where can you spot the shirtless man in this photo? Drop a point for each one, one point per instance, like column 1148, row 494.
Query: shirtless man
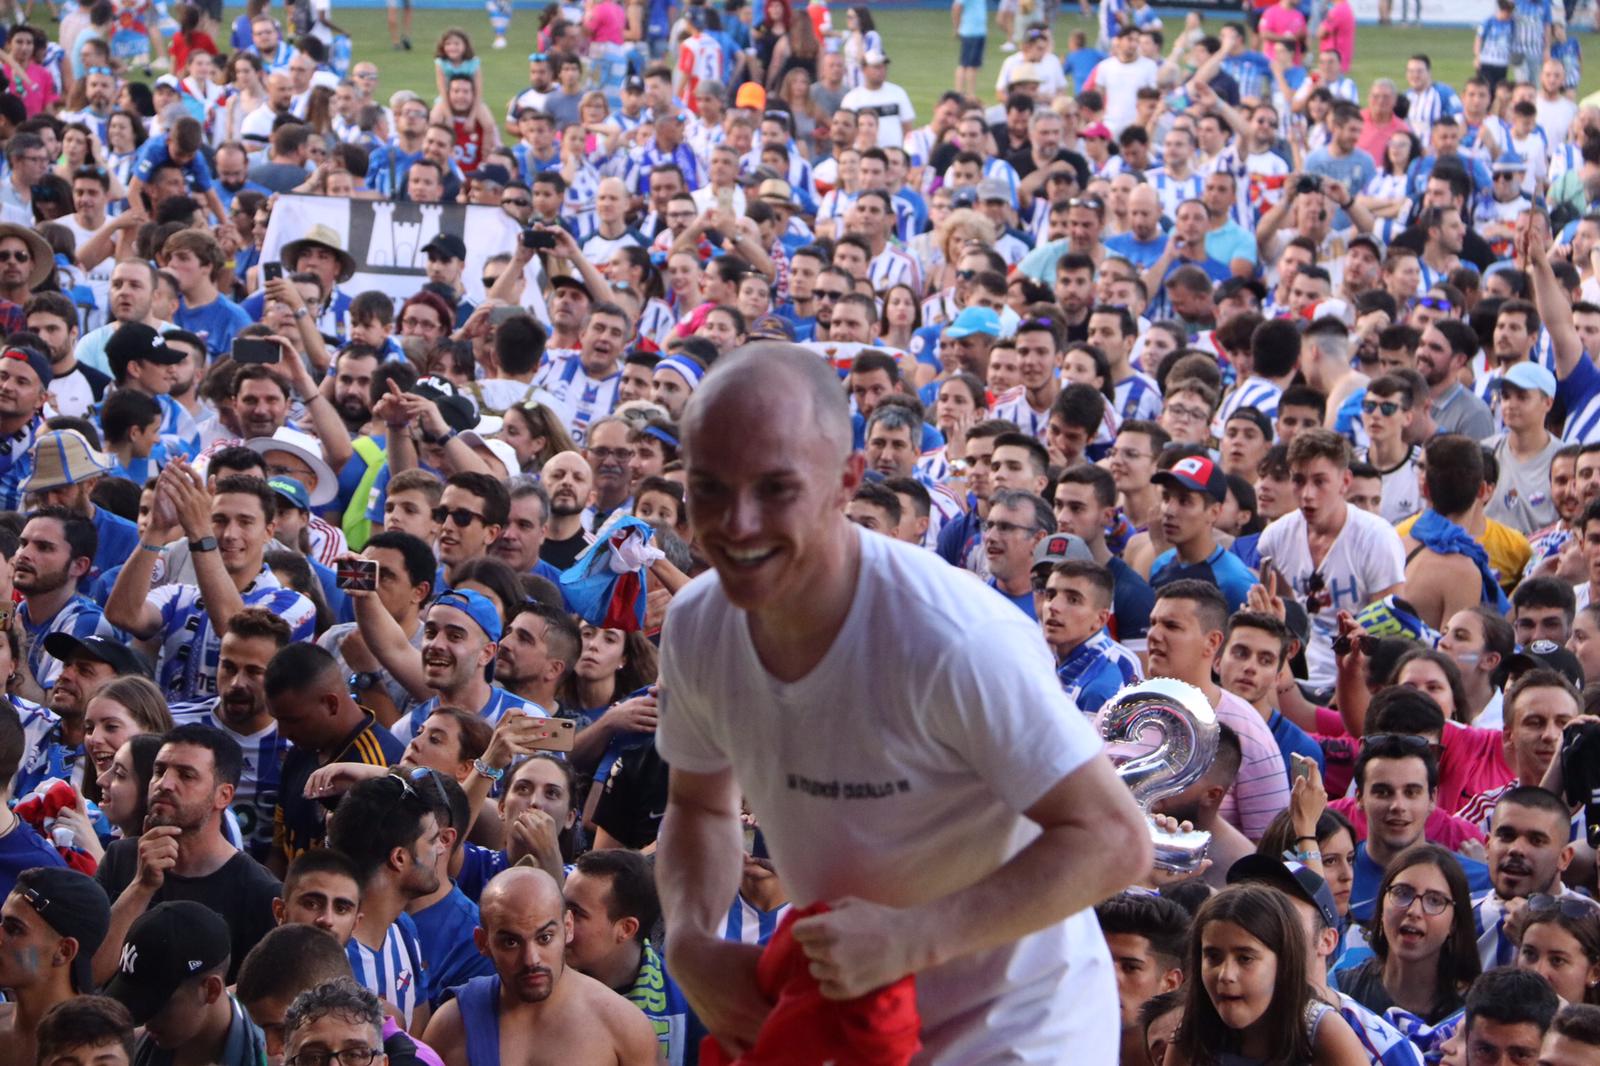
column 535, row 1010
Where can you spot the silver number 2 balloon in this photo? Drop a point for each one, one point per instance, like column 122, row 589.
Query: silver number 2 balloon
column 1183, row 716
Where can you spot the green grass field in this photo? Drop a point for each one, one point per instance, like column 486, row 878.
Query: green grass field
column 918, row 41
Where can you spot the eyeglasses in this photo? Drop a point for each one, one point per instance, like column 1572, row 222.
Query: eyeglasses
column 460, row 516
column 1566, row 906
column 418, row 323
column 621, row 455
column 1188, row 414
column 1009, row 527
column 1401, row 897
column 1385, row 407
column 15, row 257
column 350, row 1056
column 1132, row 455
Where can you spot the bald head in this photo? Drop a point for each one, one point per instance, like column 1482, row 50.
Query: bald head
column 772, row 372
column 521, row 889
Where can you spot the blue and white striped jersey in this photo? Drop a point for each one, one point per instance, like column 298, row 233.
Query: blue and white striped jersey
column 748, row 924
column 79, row 616
column 43, row 753
column 186, row 668
column 1012, row 406
column 1579, row 393
column 1094, row 670
column 406, row 727
column 1138, row 397
column 1255, row 392
column 1385, row 1045
column 179, row 431
column 1428, row 106
column 16, row 464
column 1174, row 191
column 395, row 971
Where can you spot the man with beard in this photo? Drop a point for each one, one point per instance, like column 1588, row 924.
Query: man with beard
column 386, row 170
column 525, row 929
column 309, row 697
column 583, row 385
column 94, row 238
column 460, row 633
column 75, row 389
column 252, row 638
column 1569, row 502
column 53, row 555
column 195, row 773
column 228, row 534
column 24, row 377
column 1443, row 352
column 406, row 575
column 610, row 457
column 571, row 484
column 1528, row 851
column 568, row 303
column 538, row 650
column 388, row 829
column 100, row 95
column 65, row 472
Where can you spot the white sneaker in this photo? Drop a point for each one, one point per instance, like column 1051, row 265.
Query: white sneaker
column 499, row 42
column 1009, row 46
column 160, row 64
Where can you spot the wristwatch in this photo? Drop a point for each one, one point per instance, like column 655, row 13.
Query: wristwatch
column 204, row 544
column 362, row 680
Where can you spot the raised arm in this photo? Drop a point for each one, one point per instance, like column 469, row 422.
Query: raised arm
column 388, row 643
column 1555, row 309
column 193, row 504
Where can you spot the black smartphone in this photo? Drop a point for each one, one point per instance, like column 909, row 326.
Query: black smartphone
column 538, row 240
column 357, row 575
column 271, row 271
column 254, row 350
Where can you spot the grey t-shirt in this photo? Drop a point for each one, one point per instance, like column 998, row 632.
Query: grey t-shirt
column 1521, row 497
column 1459, row 411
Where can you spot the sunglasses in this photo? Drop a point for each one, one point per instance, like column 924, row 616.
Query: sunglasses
column 827, row 295
column 1093, row 203
column 1435, row 303
column 15, row 257
column 1407, row 741
column 39, row 901
column 966, row 275
column 1566, row 906
column 507, row 201
column 1385, row 407
column 1317, row 595
column 460, row 516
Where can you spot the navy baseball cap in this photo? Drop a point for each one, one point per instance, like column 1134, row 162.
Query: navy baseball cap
column 1197, row 473
column 1297, row 880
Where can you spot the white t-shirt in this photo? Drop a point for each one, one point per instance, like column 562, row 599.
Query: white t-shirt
column 897, row 771
column 1366, row 558
column 893, row 107
column 1120, row 83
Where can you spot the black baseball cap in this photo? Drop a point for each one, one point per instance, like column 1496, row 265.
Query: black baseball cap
column 448, row 245
column 167, row 945
column 121, row 658
column 73, row 904
column 1548, row 654
column 456, row 410
column 569, row 281
column 1254, row 416
column 135, row 340
column 1299, row 881
column 1197, row 473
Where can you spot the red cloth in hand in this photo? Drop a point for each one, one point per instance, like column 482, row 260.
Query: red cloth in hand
column 878, row 1029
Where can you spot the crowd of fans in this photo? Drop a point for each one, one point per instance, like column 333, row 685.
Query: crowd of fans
column 1218, row 365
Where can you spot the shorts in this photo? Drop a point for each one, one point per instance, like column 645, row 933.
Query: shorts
column 212, row 9
column 971, row 52
column 1492, row 73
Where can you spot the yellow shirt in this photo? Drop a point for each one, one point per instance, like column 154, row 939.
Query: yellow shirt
column 1508, row 550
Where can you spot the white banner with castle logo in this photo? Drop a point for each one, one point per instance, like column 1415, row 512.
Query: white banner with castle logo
column 386, row 238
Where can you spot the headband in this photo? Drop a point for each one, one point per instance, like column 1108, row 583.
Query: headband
column 688, row 369
column 661, row 435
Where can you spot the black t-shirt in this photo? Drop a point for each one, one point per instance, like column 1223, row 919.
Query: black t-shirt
column 241, row 891
column 561, row 554
column 1364, row 984
column 635, row 797
column 1022, row 162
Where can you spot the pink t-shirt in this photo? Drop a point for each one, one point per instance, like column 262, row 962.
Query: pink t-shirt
column 1339, row 32
column 1375, row 138
column 1442, row 827
column 606, row 22
column 1474, row 761
column 1284, row 22
column 1261, row 788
